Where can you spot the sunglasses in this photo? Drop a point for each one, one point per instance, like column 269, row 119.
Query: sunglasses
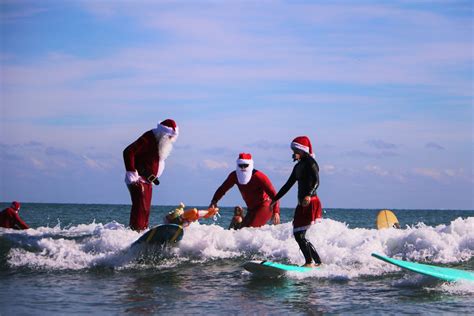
column 243, row 165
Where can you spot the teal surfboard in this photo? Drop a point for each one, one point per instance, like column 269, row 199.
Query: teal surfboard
column 446, row 274
column 161, row 234
column 272, row 269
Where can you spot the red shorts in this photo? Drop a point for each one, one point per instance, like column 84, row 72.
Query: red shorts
column 305, row 216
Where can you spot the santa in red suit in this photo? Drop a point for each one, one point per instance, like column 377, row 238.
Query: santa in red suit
column 144, row 163
column 257, row 192
column 9, row 217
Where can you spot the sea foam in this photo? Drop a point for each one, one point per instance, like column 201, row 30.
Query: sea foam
column 345, row 252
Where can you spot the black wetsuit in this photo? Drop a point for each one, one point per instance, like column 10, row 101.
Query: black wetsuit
column 306, row 172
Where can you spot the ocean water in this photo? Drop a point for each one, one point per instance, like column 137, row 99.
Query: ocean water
column 76, row 260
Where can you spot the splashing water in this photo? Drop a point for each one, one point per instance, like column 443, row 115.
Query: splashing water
column 344, row 251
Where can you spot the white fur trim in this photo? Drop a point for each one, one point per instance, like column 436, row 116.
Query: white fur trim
column 300, row 147
column 298, row 229
column 161, row 168
column 131, row 177
column 168, row 130
column 244, row 161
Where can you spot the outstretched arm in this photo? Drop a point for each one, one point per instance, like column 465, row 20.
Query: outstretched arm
column 19, row 223
column 222, row 190
column 195, row 214
column 271, row 192
column 286, row 187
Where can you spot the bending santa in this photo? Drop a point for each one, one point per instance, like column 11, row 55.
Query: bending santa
column 144, row 163
column 257, row 192
column 9, row 217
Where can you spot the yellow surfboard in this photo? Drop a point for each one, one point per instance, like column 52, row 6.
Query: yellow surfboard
column 386, row 219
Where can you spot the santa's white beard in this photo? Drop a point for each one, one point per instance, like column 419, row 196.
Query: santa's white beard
column 165, row 146
column 244, row 175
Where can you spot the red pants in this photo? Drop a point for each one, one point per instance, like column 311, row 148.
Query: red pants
column 305, row 216
column 258, row 216
column 141, row 204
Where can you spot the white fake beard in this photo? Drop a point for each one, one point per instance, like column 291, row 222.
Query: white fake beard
column 244, row 175
column 165, row 144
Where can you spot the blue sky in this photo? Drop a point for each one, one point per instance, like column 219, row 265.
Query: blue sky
column 384, row 89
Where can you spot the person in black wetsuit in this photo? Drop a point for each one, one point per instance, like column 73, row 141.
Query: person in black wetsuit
column 309, row 209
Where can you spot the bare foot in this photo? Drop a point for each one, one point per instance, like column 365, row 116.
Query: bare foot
column 311, row 265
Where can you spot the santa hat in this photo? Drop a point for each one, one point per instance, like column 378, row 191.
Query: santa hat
column 244, row 158
column 15, row 205
column 168, row 127
column 302, row 143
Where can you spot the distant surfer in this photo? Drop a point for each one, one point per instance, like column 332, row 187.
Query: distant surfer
column 309, row 209
column 9, row 217
column 257, row 192
column 144, row 163
column 237, row 219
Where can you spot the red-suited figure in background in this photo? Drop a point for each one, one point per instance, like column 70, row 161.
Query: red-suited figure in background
column 144, row 163
column 257, row 192
column 9, row 217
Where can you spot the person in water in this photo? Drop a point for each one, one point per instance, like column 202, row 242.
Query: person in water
column 309, row 209
column 9, row 217
column 257, row 192
column 144, row 163
column 237, row 219
column 183, row 217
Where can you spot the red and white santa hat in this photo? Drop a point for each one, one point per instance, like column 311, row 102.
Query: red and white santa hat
column 302, row 143
column 168, row 127
column 245, row 158
column 15, row 205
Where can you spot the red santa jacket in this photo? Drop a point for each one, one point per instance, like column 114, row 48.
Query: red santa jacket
column 258, row 190
column 142, row 155
column 9, row 218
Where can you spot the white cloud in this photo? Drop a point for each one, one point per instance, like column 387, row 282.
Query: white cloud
column 93, row 164
column 329, row 169
column 212, row 164
column 19, row 12
column 433, row 145
column 251, row 76
column 212, row 48
column 377, row 170
column 444, row 175
column 37, row 163
column 430, row 173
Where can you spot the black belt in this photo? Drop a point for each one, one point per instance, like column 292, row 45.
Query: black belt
column 153, row 179
column 150, row 178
